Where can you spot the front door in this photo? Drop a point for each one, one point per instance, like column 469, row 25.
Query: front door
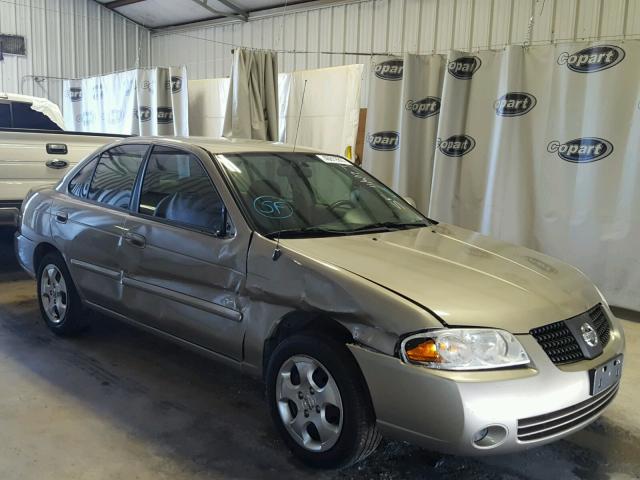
column 88, row 221
column 183, row 266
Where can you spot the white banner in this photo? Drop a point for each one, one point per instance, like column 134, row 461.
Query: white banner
column 150, row 101
column 207, row 106
column 402, row 122
column 538, row 146
column 330, row 113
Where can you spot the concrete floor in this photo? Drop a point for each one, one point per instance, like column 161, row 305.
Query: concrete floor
column 117, row 403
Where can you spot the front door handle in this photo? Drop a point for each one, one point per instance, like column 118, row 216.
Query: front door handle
column 57, row 163
column 135, row 239
column 62, row 217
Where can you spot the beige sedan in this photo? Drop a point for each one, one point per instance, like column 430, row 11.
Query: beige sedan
column 363, row 317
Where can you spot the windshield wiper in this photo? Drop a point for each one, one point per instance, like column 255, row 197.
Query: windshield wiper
column 304, row 232
column 388, row 226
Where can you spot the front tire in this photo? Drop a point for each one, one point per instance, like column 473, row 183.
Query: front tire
column 59, row 302
column 319, row 402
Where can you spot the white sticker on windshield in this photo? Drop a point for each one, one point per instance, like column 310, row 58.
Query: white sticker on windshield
column 334, row 159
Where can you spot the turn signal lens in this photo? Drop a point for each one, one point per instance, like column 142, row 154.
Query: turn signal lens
column 464, row 349
column 424, row 351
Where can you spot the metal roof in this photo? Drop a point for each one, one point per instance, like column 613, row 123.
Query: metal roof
column 166, row 13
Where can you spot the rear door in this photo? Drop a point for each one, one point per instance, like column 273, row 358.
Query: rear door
column 183, row 264
column 88, row 222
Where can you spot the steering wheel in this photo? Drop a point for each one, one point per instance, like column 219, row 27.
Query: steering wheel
column 347, row 204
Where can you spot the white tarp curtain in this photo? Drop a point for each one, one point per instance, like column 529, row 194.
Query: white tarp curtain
column 331, row 108
column 404, row 102
column 330, row 112
column 537, row 146
column 207, row 106
column 149, row 101
column 252, row 104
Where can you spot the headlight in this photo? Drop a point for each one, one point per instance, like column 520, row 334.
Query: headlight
column 464, row 349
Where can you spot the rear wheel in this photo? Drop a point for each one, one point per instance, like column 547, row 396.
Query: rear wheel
column 320, row 403
column 60, row 305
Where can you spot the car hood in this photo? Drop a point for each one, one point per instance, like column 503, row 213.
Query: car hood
column 465, row 278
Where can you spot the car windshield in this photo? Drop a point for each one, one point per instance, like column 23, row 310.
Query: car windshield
column 301, row 194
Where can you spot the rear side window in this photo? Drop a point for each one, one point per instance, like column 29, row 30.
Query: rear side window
column 115, row 175
column 25, row 117
column 79, row 184
column 177, row 188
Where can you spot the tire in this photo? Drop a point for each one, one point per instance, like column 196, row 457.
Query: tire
column 60, row 304
column 348, row 436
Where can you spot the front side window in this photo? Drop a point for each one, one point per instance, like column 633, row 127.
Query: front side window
column 176, row 188
column 79, row 184
column 301, row 194
column 115, row 175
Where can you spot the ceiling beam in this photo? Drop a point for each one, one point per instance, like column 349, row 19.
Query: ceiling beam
column 120, row 3
column 233, row 6
column 237, row 12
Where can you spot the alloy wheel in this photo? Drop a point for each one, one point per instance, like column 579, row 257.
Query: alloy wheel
column 53, row 293
column 309, row 403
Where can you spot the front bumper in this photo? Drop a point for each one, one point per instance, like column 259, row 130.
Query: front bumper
column 443, row 410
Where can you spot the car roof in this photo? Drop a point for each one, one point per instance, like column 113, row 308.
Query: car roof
column 224, row 145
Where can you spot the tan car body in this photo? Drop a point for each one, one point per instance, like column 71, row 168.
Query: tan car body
column 379, row 287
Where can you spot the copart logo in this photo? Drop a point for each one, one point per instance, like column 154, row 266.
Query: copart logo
column 116, row 116
column 75, row 94
column 85, row 118
column 427, row 107
column 384, row 141
column 143, row 114
column 581, row 150
column 175, row 85
column 463, row 68
column 389, row 70
column 456, row 145
column 165, row 115
column 592, row 59
column 514, row 104
column 147, row 85
column 272, row 207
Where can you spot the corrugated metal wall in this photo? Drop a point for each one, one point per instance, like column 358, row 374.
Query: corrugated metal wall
column 67, row 38
column 416, row 26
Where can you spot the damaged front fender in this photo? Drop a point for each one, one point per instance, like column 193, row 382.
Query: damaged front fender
column 374, row 316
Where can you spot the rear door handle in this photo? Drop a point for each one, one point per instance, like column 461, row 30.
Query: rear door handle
column 135, row 239
column 62, row 217
column 57, row 163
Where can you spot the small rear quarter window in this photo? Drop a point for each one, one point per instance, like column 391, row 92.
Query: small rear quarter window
column 79, row 184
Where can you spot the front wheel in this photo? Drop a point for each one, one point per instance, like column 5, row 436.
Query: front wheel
column 319, row 402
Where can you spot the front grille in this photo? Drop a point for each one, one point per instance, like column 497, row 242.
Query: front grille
column 544, row 426
column 559, row 343
column 601, row 324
